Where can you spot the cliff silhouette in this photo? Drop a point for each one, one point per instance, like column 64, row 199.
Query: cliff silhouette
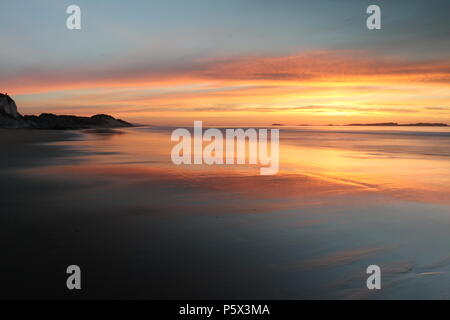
column 10, row 118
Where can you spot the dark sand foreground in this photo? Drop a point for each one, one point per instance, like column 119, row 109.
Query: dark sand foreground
column 112, row 203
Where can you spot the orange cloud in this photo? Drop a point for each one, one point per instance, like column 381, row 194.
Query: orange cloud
column 343, row 83
column 322, row 66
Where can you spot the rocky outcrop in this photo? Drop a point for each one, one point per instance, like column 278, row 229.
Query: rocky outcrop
column 8, row 107
column 10, row 118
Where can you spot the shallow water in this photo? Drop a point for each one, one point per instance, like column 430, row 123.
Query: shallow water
column 140, row 227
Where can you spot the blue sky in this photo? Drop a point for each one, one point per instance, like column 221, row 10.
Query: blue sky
column 34, row 32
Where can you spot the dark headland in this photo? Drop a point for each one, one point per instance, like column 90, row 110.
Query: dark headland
column 10, row 118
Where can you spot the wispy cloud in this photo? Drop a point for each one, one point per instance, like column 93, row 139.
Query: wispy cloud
column 321, row 66
column 332, row 83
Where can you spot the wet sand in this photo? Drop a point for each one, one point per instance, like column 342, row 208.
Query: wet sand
column 139, row 227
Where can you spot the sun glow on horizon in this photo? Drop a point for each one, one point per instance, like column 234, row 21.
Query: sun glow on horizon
column 313, row 88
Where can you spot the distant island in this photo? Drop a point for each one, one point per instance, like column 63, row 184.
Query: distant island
column 394, row 124
column 10, row 118
column 380, row 124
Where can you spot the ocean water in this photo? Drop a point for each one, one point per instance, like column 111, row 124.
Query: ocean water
column 140, row 227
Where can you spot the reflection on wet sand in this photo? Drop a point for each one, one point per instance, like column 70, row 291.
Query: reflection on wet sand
column 345, row 164
column 345, row 198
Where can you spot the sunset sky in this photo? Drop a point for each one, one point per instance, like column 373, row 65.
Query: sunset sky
column 229, row 62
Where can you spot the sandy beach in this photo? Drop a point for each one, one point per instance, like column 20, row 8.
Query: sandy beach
column 113, row 203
